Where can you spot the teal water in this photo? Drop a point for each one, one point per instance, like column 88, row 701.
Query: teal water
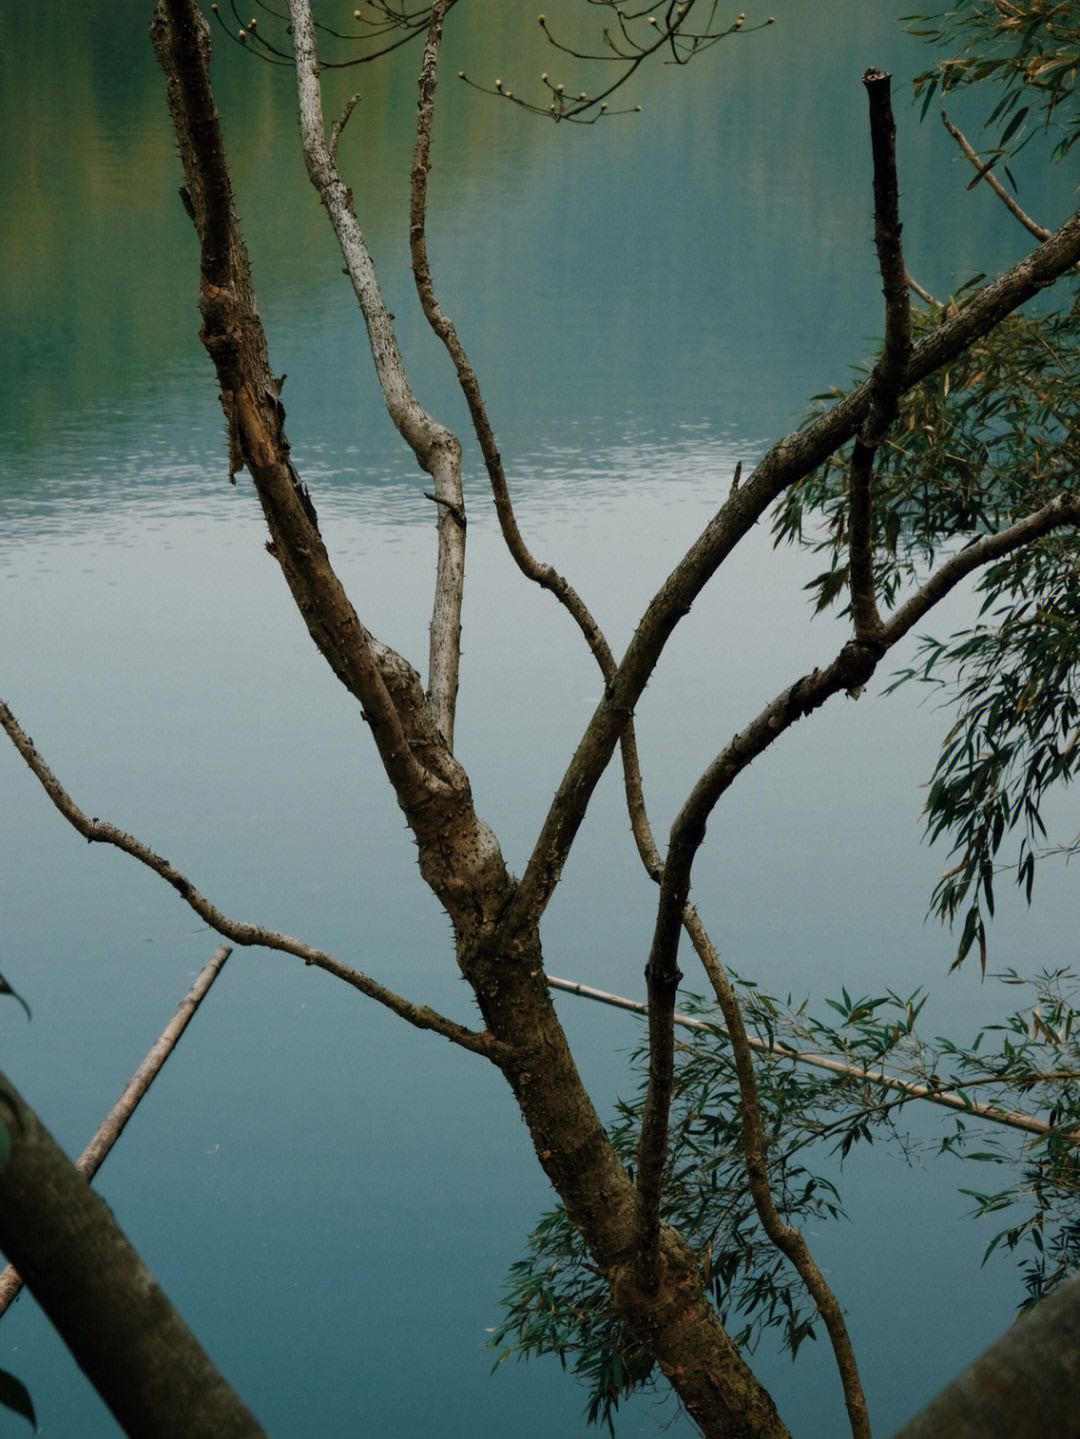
column 330, row 1198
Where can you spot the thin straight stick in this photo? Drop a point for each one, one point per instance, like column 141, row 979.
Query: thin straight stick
column 949, row 1099
column 93, row 1156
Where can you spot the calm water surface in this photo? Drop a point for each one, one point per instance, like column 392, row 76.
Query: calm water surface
column 331, row 1198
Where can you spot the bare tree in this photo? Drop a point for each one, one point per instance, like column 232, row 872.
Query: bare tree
column 655, row 1279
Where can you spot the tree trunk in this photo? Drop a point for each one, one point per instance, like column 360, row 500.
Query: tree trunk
column 1026, row 1386
column 498, row 951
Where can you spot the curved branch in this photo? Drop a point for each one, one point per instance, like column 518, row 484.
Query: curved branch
column 785, row 1237
column 101, row 832
column 850, row 670
column 788, row 461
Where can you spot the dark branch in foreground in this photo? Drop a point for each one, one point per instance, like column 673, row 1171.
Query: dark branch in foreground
column 888, row 373
column 1026, row 1386
column 127, row 1338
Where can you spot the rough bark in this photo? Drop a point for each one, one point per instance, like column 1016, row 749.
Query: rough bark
column 107, row 1307
column 1026, row 1386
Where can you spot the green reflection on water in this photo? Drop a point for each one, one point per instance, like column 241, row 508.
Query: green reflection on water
column 647, row 302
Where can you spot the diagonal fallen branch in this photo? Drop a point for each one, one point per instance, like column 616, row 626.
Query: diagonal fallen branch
column 112, row 1126
column 947, row 1098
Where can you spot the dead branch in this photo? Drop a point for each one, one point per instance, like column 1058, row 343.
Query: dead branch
column 112, row 1126
column 889, row 371
column 987, row 174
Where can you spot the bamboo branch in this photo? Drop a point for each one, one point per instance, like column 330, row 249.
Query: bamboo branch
column 112, row 1126
column 913, row 284
column 946, row 1098
column 437, row 450
column 98, row 831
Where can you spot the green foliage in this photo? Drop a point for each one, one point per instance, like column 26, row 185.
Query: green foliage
column 15, row 1396
column 556, row 1302
column 6, row 988
column 976, row 448
column 1030, row 48
column 1015, row 693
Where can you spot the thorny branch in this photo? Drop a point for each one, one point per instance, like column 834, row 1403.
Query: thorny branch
column 101, row 832
column 888, row 373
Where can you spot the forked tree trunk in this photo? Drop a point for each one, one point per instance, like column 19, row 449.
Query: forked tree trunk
column 458, row 855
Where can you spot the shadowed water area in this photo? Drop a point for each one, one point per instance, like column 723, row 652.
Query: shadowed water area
column 330, row 1197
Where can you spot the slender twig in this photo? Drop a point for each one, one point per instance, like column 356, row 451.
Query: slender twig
column 99, row 831
column 112, row 1126
column 340, row 123
column 913, row 284
column 784, row 1236
column 672, row 34
column 947, row 1098
column 987, row 174
column 233, row 336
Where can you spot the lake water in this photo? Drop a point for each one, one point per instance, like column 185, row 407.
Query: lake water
column 331, row 1198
